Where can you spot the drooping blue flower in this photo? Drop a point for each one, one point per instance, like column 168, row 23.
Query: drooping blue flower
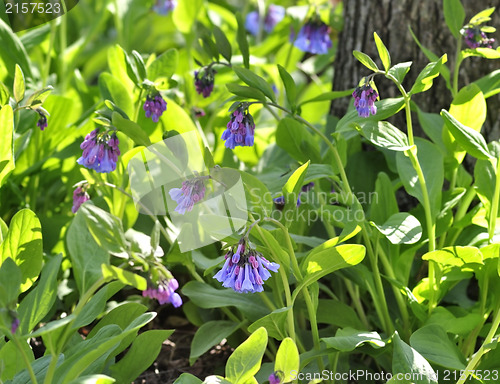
column 42, row 121
column 475, row 38
column 164, row 292
column 164, row 7
column 80, row 196
column 364, row 99
column 100, row 151
column 186, row 197
column 246, row 272
column 274, row 15
column 280, row 200
column 314, row 37
column 204, row 81
column 14, row 325
column 154, row 106
column 240, row 129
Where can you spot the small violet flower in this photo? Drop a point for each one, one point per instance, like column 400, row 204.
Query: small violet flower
column 274, row 15
column 364, row 98
column 14, row 325
column 42, row 121
column 80, row 196
column 164, row 293
column 164, row 7
column 280, row 200
column 314, row 37
column 245, row 270
column 475, row 38
column 204, row 81
column 154, row 106
column 100, row 151
column 186, row 197
column 275, row 377
column 240, row 129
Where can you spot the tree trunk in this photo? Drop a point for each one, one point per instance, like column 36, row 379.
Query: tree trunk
column 391, row 20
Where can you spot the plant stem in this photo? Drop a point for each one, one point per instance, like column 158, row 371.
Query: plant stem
column 494, row 205
column 25, row 359
column 46, row 68
column 456, row 70
column 483, row 349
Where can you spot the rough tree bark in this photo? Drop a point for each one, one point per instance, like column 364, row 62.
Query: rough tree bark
column 391, row 19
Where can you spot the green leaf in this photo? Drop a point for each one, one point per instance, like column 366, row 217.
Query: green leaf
column 206, row 296
column 274, row 323
column 364, row 59
column 112, row 88
column 106, row 228
column 126, row 277
column 93, row 379
column 489, row 84
column 482, row 17
column 4, row 94
column 209, row 335
column 120, row 67
column 382, row 52
column 10, row 283
column 245, row 92
column 291, row 190
column 13, row 52
column 241, row 38
column 6, row 144
column 140, row 356
column 245, row 361
column 139, row 64
column 12, row 361
column 185, row 14
column 287, row 359
column 384, row 135
column 472, row 141
column 294, row 138
column 187, row 378
column 251, row 79
column 386, row 204
column 431, row 162
column 332, row 95
column 400, row 70
column 131, row 129
column 222, row 43
column 487, row 53
column 23, row 244
column 454, row 15
column 426, row 76
column 433, row 343
column 164, row 66
column 348, row 339
column 322, row 263
column 39, row 366
column 35, row 306
column 290, row 88
column 258, row 197
column 401, row 228
column 406, row 360
column 19, row 85
column 86, row 255
column 455, row 256
column 38, row 97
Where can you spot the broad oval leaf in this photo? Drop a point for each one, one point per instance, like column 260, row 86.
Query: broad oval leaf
column 255, row 81
column 382, row 52
column 287, row 359
column 384, row 135
column 426, row 76
column 401, row 228
column 366, row 60
column 348, row 339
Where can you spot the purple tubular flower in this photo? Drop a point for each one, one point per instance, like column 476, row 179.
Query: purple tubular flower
column 247, row 272
column 100, row 151
column 164, row 7
column 80, row 196
column 314, row 38
column 274, row 15
column 204, row 83
column 240, row 129
column 364, row 98
column 475, row 38
column 14, row 325
column 186, row 197
column 164, row 293
column 154, row 106
column 275, row 377
column 42, row 122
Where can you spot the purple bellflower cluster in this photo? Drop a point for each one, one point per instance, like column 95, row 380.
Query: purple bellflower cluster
column 80, row 196
column 280, row 200
column 100, row 151
column 274, row 15
column 475, row 38
column 164, row 292
column 240, row 129
column 164, row 7
column 154, row 106
column 204, row 81
column 364, row 98
column 191, row 192
column 314, row 37
column 245, row 270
